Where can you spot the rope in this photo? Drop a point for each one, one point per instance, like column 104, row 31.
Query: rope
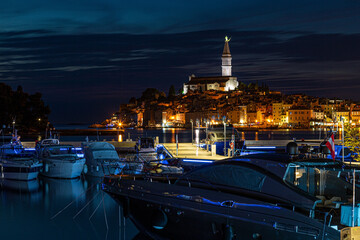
column 85, row 205
column 53, row 217
column 96, row 208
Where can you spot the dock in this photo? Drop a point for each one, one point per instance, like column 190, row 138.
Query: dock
column 191, row 151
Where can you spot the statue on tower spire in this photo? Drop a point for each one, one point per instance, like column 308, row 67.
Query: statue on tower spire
column 227, row 39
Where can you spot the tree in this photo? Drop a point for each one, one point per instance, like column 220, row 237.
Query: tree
column 150, row 94
column 133, row 100
column 352, row 140
column 29, row 111
column 172, row 92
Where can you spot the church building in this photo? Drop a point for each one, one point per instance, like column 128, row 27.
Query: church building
column 225, row 82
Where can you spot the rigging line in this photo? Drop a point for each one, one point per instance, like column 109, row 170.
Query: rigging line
column 107, row 226
column 85, row 205
column 96, row 208
column 71, row 203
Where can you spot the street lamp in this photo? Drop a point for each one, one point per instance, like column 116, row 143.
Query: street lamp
column 224, row 121
column 192, row 131
column 206, row 132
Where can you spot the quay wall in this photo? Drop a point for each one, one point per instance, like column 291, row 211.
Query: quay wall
column 130, row 145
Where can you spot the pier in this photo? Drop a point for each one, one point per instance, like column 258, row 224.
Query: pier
column 189, row 150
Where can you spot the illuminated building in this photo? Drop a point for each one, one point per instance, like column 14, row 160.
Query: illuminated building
column 225, row 82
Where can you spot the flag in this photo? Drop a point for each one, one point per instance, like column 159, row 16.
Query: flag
column 331, row 145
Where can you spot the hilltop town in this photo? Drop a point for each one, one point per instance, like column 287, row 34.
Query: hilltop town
column 215, row 99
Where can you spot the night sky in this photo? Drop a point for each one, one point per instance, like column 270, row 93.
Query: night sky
column 87, row 57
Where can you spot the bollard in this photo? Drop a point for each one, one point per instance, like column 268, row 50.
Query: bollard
column 213, row 150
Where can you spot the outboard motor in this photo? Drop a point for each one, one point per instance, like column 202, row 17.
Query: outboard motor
column 292, row 149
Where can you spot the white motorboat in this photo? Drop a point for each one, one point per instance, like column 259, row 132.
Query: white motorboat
column 60, row 161
column 17, row 163
column 101, row 159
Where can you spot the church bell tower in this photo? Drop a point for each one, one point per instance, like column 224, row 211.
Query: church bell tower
column 226, row 59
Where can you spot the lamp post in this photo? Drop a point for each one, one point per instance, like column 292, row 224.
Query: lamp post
column 197, row 133
column 224, row 118
column 192, row 131
column 206, row 132
column 13, row 123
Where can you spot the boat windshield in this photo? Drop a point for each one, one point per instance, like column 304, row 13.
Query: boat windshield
column 106, row 154
column 229, row 175
column 320, row 181
column 57, row 150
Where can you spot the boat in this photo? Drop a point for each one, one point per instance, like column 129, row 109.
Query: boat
column 59, row 161
column 258, row 196
column 17, row 163
column 101, row 159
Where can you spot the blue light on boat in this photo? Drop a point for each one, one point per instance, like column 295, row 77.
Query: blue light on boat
column 29, row 149
column 198, row 161
column 260, row 147
column 80, row 155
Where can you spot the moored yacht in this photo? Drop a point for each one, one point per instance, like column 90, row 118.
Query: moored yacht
column 17, row 163
column 60, row 161
column 101, row 159
column 260, row 196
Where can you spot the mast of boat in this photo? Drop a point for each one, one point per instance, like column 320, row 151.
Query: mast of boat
column 353, row 201
column 3, row 137
column 343, row 138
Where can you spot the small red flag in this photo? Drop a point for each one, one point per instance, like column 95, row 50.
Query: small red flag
column 331, row 146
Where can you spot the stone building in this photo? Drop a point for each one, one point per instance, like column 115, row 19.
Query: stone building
column 225, row 82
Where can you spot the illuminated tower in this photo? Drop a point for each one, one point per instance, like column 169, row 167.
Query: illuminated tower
column 226, row 59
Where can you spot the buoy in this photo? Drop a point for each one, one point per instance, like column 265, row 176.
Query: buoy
column 85, row 170
column 159, row 219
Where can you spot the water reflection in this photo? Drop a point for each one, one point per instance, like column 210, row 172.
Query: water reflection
column 61, row 209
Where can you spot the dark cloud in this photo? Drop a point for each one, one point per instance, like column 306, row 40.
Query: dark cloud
column 86, row 77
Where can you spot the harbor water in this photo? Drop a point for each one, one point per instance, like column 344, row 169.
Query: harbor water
column 78, row 209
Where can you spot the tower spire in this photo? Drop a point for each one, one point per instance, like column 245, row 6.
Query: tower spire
column 226, row 58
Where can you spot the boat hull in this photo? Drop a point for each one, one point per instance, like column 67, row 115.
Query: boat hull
column 180, row 213
column 63, row 168
column 100, row 170
column 23, row 173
